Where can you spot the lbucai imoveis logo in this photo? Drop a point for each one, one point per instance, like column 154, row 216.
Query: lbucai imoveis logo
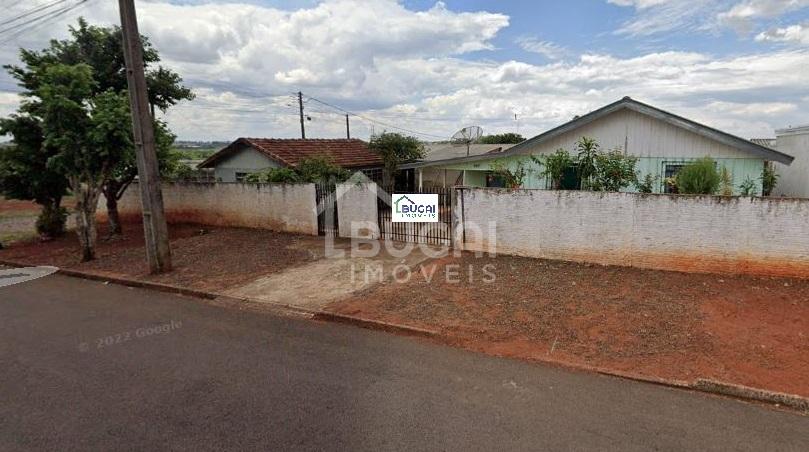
column 415, row 208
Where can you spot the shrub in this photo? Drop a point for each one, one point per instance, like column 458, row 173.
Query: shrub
column 647, row 184
column 769, row 178
column 320, row 169
column 554, row 166
column 51, row 221
column 726, row 182
column 587, row 150
column 699, row 177
column 614, row 171
column 512, row 178
column 748, row 187
column 274, row 176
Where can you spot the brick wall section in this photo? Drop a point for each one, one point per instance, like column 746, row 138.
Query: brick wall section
column 357, row 205
column 768, row 236
column 289, row 208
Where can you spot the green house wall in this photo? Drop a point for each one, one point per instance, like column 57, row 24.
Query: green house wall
column 740, row 169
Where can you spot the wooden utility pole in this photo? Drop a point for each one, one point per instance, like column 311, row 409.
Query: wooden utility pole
column 300, row 108
column 348, row 130
column 158, row 253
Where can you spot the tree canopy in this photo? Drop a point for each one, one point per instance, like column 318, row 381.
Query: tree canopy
column 395, row 149
column 502, row 138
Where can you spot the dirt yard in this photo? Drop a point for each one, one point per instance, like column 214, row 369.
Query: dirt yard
column 17, row 219
column 204, row 258
column 743, row 330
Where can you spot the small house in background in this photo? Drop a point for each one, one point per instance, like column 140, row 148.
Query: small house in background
column 663, row 143
column 252, row 155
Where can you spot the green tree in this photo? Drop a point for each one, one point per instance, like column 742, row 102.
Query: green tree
column 85, row 133
column 25, row 174
column 502, row 138
column 101, row 49
column 554, row 166
column 699, row 177
column 395, row 149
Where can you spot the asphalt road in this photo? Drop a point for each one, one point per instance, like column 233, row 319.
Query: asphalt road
column 177, row 373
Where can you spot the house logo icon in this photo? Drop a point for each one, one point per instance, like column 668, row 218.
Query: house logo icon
column 398, row 201
column 415, row 208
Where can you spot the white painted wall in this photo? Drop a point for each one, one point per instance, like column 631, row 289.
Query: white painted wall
column 794, row 179
column 641, row 136
column 245, row 160
column 289, row 208
column 357, row 210
column 685, row 233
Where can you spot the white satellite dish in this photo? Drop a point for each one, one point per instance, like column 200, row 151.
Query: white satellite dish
column 467, row 136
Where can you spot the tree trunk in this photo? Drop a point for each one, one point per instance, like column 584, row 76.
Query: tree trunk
column 112, row 215
column 86, row 204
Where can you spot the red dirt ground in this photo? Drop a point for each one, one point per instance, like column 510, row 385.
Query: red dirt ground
column 743, row 330
column 13, row 205
column 204, row 258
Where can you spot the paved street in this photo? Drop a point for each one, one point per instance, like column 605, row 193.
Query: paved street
column 85, row 365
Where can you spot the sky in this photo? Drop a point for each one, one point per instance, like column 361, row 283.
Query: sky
column 429, row 68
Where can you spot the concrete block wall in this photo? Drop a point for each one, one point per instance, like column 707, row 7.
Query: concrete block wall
column 289, row 208
column 357, row 210
column 767, row 236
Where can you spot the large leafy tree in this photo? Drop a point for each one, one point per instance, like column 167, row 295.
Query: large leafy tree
column 77, row 126
column 395, row 149
column 100, row 48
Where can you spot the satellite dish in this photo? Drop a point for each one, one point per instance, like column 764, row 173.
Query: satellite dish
column 467, row 136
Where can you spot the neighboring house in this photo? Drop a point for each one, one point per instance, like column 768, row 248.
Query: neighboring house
column 435, row 176
column 662, row 141
column 793, row 179
column 251, row 155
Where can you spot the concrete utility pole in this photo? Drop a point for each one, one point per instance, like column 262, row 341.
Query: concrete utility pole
column 158, row 253
column 300, row 107
column 348, row 130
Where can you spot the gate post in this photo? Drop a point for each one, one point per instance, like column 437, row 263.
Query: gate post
column 357, row 205
column 457, row 229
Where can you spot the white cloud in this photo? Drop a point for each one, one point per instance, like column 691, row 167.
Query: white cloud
column 406, row 68
column 658, row 16
column 752, row 109
column 743, row 15
column 793, row 34
column 544, row 48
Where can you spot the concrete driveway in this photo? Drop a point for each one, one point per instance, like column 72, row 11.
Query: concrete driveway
column 337, row 274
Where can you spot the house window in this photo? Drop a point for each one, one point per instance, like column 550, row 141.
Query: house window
column 495, row 180
column 570, row 180
column 670, row 170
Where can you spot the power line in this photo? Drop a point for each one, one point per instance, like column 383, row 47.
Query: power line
column 414, row 132
column 39, row 21
column 32, row 11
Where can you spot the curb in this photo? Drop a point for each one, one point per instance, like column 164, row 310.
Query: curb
column 374, row 324
column 704, row 385
column 758, row 395
column 123, row 281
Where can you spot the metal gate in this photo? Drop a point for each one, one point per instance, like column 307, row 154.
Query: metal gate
column 430, row 233
column 326, row 209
